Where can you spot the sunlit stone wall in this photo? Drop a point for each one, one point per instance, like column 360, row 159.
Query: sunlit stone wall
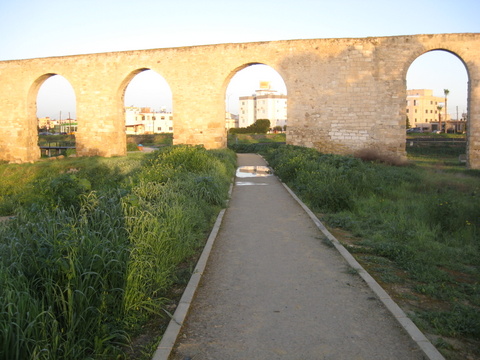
column 344, row 95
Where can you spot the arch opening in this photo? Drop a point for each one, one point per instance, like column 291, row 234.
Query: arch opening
column 147, row 108
column 54, row 112
column 256, row 91
column 437, row 94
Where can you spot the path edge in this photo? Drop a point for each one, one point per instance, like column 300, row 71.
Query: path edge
column 429, row 350
column 170, row 336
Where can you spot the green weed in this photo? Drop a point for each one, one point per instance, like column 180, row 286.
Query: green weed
column 95, row 245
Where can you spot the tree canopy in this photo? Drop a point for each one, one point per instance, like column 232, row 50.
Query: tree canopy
column 261, row 126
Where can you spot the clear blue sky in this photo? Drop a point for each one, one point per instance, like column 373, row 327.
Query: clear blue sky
column 44, row 28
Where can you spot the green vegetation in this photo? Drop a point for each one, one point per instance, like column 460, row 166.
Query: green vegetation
column 415, row 227
column 235, row 141
column 150, row 139
column 92, row 247
column 261, row 126
column 153, row 140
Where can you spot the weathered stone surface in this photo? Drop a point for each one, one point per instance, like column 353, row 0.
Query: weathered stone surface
column 343, row 94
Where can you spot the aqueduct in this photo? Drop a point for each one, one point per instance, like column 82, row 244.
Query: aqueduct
column 343, row 94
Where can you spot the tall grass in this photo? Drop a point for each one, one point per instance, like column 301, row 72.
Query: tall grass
column 85, row 260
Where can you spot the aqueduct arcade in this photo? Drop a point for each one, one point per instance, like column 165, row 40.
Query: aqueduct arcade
column 343, row 94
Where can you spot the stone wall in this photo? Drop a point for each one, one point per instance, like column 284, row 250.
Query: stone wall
column 343, row 94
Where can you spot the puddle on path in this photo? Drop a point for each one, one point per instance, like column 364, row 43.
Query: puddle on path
column 246, row 183
column 251, row 172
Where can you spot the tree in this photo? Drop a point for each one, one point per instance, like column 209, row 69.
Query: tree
column 408, row 123
column 260, row 126
column 439, row 108
column 446, row 92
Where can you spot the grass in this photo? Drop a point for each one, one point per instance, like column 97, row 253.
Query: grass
column 150, row 139
column 240, row 139
column 153, row 140
column 94, row 246
column 415, row 227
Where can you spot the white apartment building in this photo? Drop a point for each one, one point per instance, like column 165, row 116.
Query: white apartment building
column 145, row 121
column 264, row 104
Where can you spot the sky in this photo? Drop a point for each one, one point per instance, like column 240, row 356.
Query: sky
column 45, row 28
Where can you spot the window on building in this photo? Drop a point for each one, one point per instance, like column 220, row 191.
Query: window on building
column 414, row 102
column 426, row 111
column 408, row 111
column 170, row 128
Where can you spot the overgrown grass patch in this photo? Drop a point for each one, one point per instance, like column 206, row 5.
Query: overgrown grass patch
column 94, row 246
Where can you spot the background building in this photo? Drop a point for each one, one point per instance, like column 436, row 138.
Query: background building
column 422, row 106
column 145, row 121
column 422, row 112
column 231, row 120
column 264, row 104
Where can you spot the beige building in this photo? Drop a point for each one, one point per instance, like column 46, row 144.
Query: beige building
column 264, row 104
column 46, row 123
column 422, row 107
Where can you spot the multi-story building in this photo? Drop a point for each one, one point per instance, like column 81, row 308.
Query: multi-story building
column 264, row 104
column 145, row 121
column 422, row 107
column 423, row 112
column 46, row 123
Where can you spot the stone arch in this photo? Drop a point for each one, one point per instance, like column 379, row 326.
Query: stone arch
column 244, row 66
column 418, row 54
column 32, row 98
column 126, row 82
column 239, row 68
column 414, row 56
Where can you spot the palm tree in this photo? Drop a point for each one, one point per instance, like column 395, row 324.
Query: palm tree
column 446, row 92
column 439, row 108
